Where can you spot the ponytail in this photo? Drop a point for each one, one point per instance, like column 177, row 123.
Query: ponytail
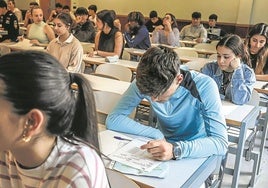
column 84, row 124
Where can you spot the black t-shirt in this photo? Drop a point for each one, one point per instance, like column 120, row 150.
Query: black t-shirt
column 150, row 25
column 10, row 23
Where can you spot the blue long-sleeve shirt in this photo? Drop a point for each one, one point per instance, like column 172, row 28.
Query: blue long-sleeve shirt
column 240, row 88
column 141, row 40
column 192, row 117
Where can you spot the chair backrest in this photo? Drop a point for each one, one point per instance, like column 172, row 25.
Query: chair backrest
column 213, row 56
column 195, row 65
column 105, row 102
column 117, row 179
column 125, row 55
column 87, row 47
column 214, row 42
column 205, row 46
column 83, row 66
column 4, row 50
column 183, row 51
column 114, row 70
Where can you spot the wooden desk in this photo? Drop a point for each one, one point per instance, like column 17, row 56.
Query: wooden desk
column 107, row 84
column 182, row 173
column 132, row 65
column 135, row 51
column 259, row 87
column 3, row 32
column 190, row 43
column 241, row 117
column 206, row 52
column 25, row 45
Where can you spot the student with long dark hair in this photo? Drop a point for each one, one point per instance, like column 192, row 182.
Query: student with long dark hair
column 235, row 79
column 169, row 33
column 48, row 130
column 66, row 48
column 257, row 45
column 109, row 40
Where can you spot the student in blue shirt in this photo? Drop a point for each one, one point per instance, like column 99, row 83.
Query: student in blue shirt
column 136, row 33
column 187, row 106
column 233, row 76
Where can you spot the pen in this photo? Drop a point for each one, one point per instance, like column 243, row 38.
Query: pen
column 120, row 138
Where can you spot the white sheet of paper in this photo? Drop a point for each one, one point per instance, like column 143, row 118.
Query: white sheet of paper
column 133, row 156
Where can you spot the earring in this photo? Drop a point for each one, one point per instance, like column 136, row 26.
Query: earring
column 26, row 138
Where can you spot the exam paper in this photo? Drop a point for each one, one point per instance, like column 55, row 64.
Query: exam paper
column 131, row 155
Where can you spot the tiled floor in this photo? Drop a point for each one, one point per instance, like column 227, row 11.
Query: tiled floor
column 262, row 180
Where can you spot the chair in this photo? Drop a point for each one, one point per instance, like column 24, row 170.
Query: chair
column 213, row 56
column 105, row 102
column 196, row 65
column 214, row 42
column 184, row 51
column 205, row 46
column 116, row 179
column 125, row 55
column 4, row 50
column 83, row 66
column 87, row 47
column 118, row 71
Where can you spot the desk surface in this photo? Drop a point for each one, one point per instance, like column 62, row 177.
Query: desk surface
column 24, row 45
column 182, row 173
column 259, row 87
column 132, row 65
column 3, row 32
column 235, row 114
column 107, row 84
column 189, row 42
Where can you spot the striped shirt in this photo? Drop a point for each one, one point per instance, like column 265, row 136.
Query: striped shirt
column 68, row 165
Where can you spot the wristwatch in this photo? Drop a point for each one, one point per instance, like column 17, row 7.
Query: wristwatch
column 176, row 151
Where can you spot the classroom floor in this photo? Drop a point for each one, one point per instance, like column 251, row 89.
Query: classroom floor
column 262, row 180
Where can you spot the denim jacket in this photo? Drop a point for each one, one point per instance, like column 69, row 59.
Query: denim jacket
column 240, row 88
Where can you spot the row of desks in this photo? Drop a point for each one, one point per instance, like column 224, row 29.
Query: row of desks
column 132, row 65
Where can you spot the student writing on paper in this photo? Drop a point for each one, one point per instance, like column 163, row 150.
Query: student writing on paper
column 186, row 103
column 47, row 129
column 109, row 40
column 234, row 78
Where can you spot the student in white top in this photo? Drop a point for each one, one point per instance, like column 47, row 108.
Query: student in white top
column 39, row 32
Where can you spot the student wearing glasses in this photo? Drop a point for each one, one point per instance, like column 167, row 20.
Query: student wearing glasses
column 233, row 76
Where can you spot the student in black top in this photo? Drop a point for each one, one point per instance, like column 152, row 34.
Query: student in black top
column 9, row 23
column 154, row 21
column 109, row 40
column 84, row 30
